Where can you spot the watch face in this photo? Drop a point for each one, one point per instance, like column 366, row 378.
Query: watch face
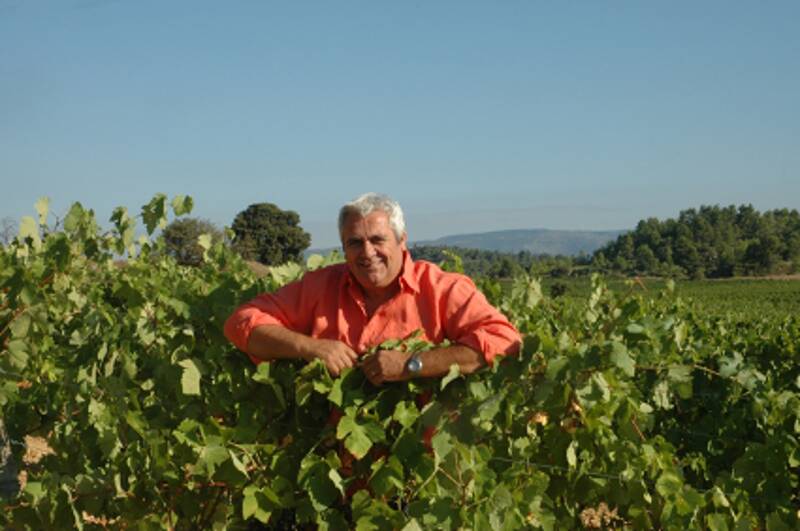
column 414, row 364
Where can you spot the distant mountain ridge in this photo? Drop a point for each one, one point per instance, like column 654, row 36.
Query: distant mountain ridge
column 536, row 241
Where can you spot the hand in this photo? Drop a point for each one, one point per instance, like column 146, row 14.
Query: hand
column 334, row 354
column 385, row 366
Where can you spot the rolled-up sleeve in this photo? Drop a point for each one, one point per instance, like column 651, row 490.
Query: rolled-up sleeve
column 473, row 322
column 285, row 307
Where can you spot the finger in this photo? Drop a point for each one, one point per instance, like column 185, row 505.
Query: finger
column 343, row 362
column 341, row 365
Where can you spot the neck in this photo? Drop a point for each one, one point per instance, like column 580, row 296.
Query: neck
column 381, row 295
column 373, row 299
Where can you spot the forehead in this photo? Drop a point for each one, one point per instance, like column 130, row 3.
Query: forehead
column 373, row 224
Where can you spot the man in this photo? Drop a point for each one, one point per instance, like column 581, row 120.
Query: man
column 340, row 312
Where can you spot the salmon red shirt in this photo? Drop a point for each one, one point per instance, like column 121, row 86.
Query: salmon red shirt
column 328, row 303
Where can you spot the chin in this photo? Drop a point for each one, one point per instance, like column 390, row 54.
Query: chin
column 372, row 282
column 376, row 282
column 373, row 277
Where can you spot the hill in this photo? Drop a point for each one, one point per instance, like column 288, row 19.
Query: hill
column 535, row 241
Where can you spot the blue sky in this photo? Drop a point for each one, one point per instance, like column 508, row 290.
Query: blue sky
column 476, row 116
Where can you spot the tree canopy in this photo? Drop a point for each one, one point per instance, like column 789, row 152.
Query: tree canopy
column 711, row 241
column 181, row 235
column 270, row 235
column 498, row 264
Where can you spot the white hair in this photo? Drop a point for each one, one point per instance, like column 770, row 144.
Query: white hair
column 365, row 204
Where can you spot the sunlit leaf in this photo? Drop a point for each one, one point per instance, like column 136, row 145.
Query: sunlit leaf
column 455, row 372
column 572, row 458
column 28, row 229
column 43, row 208
column 182, row 204
column 154, row 213
column 623, row 360
column 190, row 378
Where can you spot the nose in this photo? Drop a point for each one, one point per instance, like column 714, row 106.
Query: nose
column 369, row 249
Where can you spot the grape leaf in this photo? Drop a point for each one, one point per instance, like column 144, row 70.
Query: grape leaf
column 190, row 379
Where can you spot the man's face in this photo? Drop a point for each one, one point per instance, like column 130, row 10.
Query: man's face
column 373, row 252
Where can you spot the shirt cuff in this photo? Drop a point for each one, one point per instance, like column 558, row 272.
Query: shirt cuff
column 491, row 344
column 239, row 326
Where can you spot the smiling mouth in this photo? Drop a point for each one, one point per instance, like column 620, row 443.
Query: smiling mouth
column 370, row 265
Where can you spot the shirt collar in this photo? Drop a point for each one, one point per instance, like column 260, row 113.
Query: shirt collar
column 408, row 280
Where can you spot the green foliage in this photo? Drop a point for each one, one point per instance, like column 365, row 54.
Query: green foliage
column 181, row 238
column 710, row 242
column 621, row 411
column 267, row 234
column 496, row 264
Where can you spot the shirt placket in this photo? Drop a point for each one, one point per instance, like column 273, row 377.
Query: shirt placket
column 377, row 324
column 363, row 326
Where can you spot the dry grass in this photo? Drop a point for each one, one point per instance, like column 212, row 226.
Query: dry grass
column 258, row 269
column 36, row 448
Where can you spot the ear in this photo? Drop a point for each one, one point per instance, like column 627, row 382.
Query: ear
column 404, row 241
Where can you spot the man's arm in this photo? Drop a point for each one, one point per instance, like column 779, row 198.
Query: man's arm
column 277, row 325
column 270, row 342
column 390, row 365
column 473, row 322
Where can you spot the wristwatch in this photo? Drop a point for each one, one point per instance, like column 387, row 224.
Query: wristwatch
column 414, row 364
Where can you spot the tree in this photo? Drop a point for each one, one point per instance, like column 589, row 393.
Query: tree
column 506, row 267
column 688, row 258
column 181, row 235
column 646, row 261
column 267, row 234
column 712, row 241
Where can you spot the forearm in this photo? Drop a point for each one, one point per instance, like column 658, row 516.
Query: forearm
column 391, row 365
column 437, row 362
column 271, row 342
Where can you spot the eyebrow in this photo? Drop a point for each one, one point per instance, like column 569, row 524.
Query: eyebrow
column 373, row 238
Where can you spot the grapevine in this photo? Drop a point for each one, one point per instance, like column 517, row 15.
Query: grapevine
column 621, row 411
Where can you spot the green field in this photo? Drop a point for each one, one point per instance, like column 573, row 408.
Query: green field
column 743, row 297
